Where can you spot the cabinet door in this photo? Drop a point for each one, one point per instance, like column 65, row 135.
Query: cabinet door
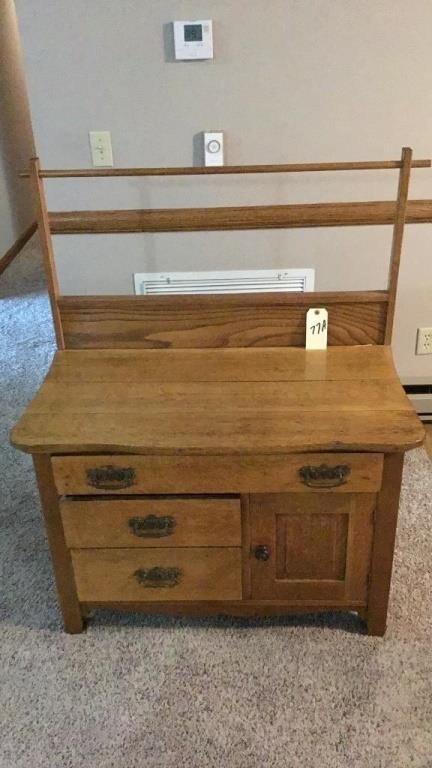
column 310, row 547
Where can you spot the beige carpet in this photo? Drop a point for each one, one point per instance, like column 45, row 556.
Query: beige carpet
column 148, row 692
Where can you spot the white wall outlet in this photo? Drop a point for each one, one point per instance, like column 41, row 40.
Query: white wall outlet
column 101, row 148
column 424, row 341
column 213, row 148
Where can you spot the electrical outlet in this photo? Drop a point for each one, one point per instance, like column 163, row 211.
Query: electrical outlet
column 424, row 341
column 101, row 149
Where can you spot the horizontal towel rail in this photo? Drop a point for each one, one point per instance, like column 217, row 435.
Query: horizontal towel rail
column 237, row 218
column 372, row 165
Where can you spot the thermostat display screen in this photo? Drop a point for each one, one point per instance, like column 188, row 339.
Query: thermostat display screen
column 193, row 33
column 193, row 39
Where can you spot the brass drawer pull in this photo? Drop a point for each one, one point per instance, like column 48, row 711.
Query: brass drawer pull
column 152, row 527
column 110, row 478
column 324, row 476
column 158, row 576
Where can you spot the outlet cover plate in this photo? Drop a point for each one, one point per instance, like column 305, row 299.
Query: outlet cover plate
column 424, row 341
column 101, row 149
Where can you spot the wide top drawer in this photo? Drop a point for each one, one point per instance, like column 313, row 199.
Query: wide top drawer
column 131, row 474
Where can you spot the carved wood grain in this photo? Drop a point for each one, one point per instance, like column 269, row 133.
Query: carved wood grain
column 254, row 320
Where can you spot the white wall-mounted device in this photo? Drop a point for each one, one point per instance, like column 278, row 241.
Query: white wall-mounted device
column 101, row 149
column 193, row 40
column 213, row 148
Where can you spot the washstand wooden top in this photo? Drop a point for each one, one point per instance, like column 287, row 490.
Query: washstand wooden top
column 220, row 401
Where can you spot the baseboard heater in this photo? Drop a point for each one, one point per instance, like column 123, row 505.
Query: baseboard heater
column 421, row 397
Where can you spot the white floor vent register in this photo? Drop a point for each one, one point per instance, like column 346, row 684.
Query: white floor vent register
column 229, row 281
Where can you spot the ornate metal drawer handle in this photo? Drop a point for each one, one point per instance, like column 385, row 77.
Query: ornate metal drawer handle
column 110, row 478
column 158, row 577
column 324, row 476
column 152, row 527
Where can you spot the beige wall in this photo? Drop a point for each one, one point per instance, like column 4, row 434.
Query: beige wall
column 291, row 81
column 16, row 139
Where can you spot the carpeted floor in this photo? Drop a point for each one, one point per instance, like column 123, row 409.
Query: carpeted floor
column 148, row 692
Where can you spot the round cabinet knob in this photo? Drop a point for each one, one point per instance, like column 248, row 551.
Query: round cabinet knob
column 262, row 552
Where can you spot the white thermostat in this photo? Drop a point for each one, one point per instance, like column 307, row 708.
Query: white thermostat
column 193, row 40
column 213, row 148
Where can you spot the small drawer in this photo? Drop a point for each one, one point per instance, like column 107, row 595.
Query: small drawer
column 136, row 522
column 120, row 575
column 194, row 474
